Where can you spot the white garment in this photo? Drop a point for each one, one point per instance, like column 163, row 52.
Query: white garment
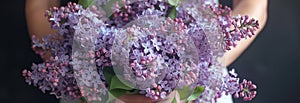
column 225, row 98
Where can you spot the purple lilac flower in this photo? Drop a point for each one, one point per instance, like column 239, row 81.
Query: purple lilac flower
column 132, row 10
column 149, row 59
column 230, row 83
column 246, row 90
column 54, row 77
column 234, row 28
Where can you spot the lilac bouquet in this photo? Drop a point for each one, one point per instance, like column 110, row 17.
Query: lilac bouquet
column 104, row 49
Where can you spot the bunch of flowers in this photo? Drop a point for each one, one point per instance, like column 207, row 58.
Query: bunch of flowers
column 104, row 49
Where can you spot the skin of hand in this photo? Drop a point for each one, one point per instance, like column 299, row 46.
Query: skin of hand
column 38, row 25
column 37, row 22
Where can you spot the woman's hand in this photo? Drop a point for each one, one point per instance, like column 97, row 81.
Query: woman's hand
column 37, row 22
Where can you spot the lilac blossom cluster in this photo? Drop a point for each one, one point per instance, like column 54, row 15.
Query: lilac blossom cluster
column 160, row 58
column 57, row 74
column 132, row 10
column 156, row 54
column 245, row 89
column 234, row 28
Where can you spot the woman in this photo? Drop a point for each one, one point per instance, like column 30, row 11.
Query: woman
column 38, row 25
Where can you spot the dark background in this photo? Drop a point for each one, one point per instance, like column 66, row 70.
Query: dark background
column 272, row 61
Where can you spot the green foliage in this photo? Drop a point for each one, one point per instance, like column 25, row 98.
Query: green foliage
column 184, row 92
column 174, row 100
column 196, row 94
column 108, row 73
column 116, row 87
column 173, row 2
column 173, row 13
column 117, row 84
column 86, row 3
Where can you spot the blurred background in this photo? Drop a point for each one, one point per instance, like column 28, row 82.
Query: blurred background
column 272, row 61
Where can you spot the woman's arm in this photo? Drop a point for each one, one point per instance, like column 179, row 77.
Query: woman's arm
column 256, row 9
column 37, row 22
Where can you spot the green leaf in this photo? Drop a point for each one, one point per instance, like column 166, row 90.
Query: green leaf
column 118, row 92
column 114, row 94
column 173, row 13
column 117, row 84
column 197, row 92
column 173, row 2
column 117, row 88
column 111, row 96
column 184, row 92
column 86, row 3
column 133, row 91
column 174, row 100
column 108, row 73
column 109, row 4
